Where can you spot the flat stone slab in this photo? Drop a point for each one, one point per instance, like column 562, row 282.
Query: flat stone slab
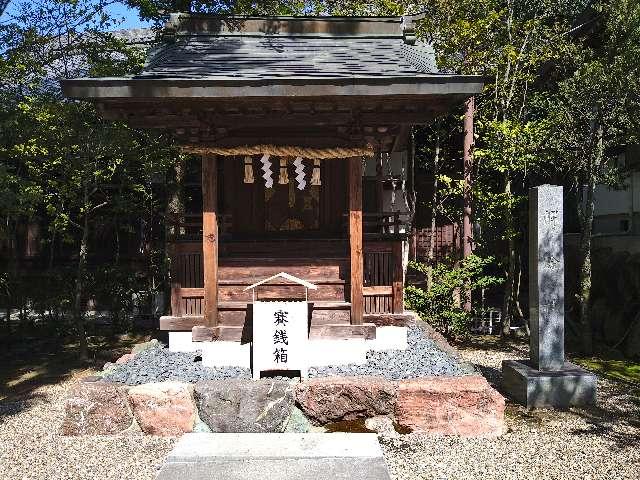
column 570, row 386
column 235, row 456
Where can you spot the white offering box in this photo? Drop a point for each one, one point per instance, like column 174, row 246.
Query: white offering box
column 280, row 331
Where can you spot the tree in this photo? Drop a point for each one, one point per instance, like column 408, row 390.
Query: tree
column 509, row 42
column 81, row 170
column 592, row 113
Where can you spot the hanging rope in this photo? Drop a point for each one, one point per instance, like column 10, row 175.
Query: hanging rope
column 283, row 151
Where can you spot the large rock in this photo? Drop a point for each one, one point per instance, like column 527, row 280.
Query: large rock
column 125, row 358
column 465, row 406
column 235, row 406
column 332, row 399
column 166, row 409
column 96, row 408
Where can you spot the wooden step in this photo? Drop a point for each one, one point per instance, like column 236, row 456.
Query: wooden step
column 325, row 292
column 235, row 314
column 253, row 270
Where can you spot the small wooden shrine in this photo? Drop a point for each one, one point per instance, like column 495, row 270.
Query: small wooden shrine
column 303, row 127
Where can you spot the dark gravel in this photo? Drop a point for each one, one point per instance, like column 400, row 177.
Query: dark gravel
column 158, row 364
column 422, row 358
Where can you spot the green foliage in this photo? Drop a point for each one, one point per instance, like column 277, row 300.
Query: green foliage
column 154, row 10
column 453, row 284
column 63, row 164
column 624, row 370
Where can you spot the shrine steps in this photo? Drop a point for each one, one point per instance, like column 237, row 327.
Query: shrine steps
column 312, row 269
column 302, row 456
column 236, row 314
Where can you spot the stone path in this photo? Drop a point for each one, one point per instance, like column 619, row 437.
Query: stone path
column 309, row 456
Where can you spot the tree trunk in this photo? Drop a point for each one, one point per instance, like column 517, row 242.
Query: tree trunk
column 511, row 264
column 584, row 274
column 434, row 214
column 586, row 229
column 78, row 312
column 516, row 306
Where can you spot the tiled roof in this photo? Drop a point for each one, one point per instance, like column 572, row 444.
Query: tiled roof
column 237, row 57
column 287, row 47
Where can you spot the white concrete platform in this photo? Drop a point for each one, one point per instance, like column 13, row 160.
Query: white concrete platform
column 304, row 456
column 320, row 352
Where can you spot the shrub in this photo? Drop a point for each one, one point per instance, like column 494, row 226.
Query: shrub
column 454, row 282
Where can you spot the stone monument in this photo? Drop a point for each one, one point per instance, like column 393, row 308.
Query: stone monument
column 547, row 380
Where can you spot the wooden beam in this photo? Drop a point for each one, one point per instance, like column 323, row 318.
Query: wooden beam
column 210, row 238
column 343, row 332
column 355, row 239
column 390, row 319
column 377, row 290
column 180, row 324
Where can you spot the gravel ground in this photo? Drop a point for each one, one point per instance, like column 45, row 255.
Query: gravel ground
column 422, row 358
column 597, row 443
column 594, row 443
column 31, row 446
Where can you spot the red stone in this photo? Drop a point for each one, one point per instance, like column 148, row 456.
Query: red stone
column 96, row 408
column 165, row 409
column 466, row 406
column 333, row 399
column 125, row 358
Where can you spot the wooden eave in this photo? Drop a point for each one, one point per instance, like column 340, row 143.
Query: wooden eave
column 274, row 88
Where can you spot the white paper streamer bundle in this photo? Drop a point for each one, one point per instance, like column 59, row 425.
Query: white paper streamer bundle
column 266, row 168
column 302, row 183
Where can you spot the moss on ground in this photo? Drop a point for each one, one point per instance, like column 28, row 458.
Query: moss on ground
column 626, row 370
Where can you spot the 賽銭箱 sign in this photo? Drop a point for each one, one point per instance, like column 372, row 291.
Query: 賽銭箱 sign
column 280, row 331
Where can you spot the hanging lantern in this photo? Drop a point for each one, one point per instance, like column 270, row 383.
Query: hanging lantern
column 302, row 183
column 315, row 175
column 283, row 179
column 248, row 169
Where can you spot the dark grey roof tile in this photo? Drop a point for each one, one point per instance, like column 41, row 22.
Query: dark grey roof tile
column 223, row 57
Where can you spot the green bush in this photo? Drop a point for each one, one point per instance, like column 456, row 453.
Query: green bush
column 454, row 282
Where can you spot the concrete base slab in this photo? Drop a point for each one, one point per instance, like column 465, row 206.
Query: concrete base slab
column 337, row 352
column 181, row 342
column 571, row 386
column 225, row 354
column 312, row 456
column 320, row 352
column 389, row 338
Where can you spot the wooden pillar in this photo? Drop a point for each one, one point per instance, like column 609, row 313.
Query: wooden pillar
column 397, row 287
column 176, row 301
column 210, row 238
column 467, row 231
column 355, row 239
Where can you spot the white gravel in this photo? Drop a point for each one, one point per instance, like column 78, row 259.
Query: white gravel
column 598, row 443
column 595, row 443
column 31, row 446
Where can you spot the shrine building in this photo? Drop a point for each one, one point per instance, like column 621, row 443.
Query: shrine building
column 301, row 133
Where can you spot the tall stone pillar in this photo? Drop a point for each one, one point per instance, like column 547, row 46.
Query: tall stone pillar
column 547, row 380
column 546, row 277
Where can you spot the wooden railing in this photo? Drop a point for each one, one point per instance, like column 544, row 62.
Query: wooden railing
column 446, row 242
column 188, row 226
column 383, row 278
column 384, row 225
